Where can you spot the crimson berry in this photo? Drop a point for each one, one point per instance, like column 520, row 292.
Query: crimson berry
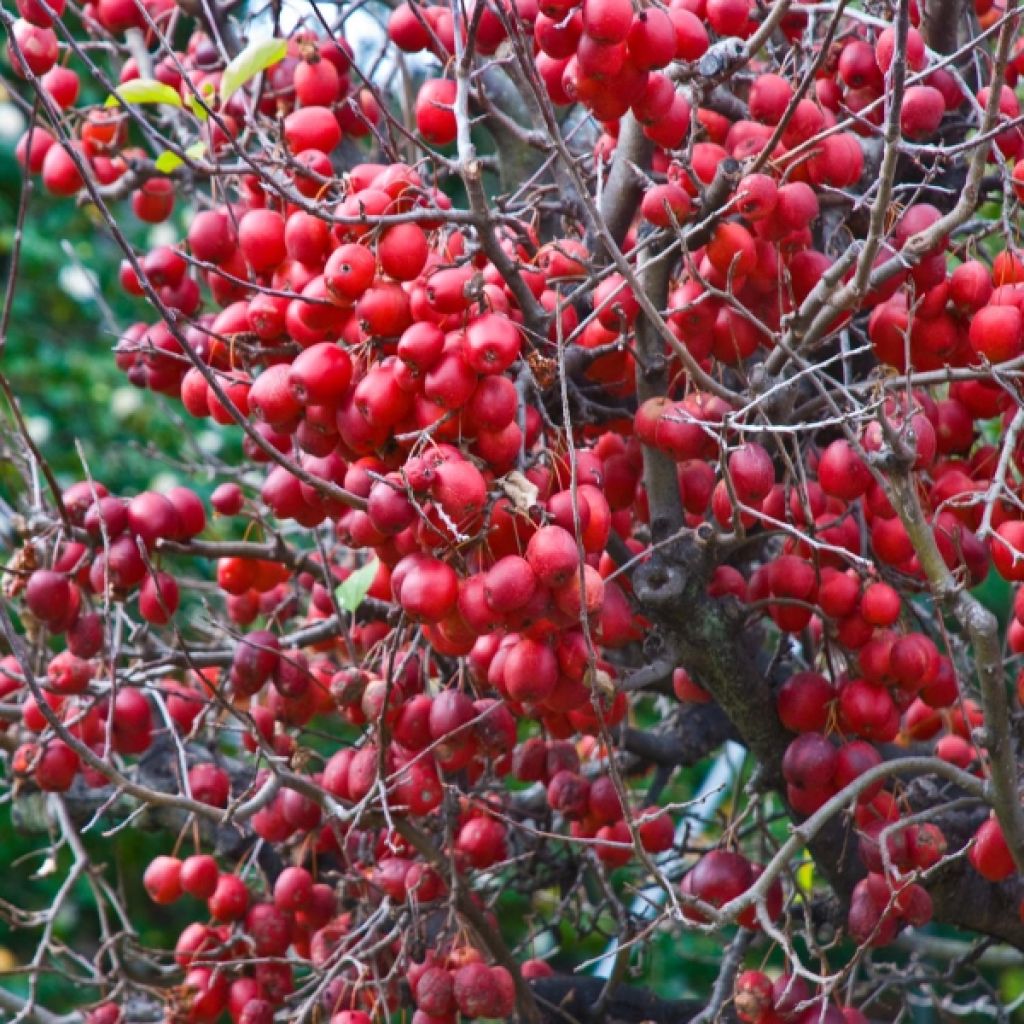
column 56, row 767
column 880, row 604
column 162, row 879
column 312, row 128
column 261, row 239
column 199, row 875
column 435, row 116
column 158, row 598
column 230, row 899
column 402, row 251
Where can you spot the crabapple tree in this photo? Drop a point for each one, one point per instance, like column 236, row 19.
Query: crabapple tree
column 616, row 386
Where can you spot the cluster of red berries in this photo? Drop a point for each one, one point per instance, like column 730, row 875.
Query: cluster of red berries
column 310, row 87
column 118, row 536
column 302, row 916
column 938, row 317
column 788, row 999
column 114, row 557
column 383, row 354
column 297, row 912
column 445, row 986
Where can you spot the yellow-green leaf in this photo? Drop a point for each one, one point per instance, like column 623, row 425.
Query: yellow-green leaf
column 805, row 876
column 144, row 90
column 352, row 591
column 168, row 161
column 207, row 96
column 255, row 58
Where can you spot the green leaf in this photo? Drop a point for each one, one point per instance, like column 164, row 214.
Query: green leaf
column 351, row 591
column 207, row 94
column 168, row 161
column 256, row 57
column 144, row 90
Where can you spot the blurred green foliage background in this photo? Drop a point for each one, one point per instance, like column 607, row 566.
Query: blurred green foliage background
column 59, row 363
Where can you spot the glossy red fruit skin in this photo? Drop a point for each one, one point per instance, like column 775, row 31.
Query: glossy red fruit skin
column 313, row 128
column 880, row 604
column 272, row 398
column 752, row 472
column 509, row 584
column 426, row 587
column 190, row 509
column 208, row 993
column 435, row 118
column 809, row 761
column 152, row 517
column 105, row 1013
column 48, row 595
column 530, row 670
column 853, row 759
column 804, row 702
column 553, row 555
column 770, row 95
column 60, row 175
column 494, row 404
column 34, row 12
column 990, row 856
column 1007, row 549
column 482, row 841
column 732, row 249
column 492, row 343
column 261, row 239
column 914, row 661
column 651, row 41
column 402, row 250
column 320, row 374
column 349, row 271
column 421, row 345
column 199, row 874
column 32, row 148
column 996, row 332
column 158, row 598
column 307, row 239
column 56, row 767
column 230, row 899
column 383, row 310
column 607, row 21
column 209, row 784
column 451, row 712
column 842, row 473
column 211, row 236
column 133, row 722
column 720, row 876
column 153, row 201
column 37, row 48
column 317, row 84
column 922, row 111
column 665, row 205
column 162, row 879
column 228, row 499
